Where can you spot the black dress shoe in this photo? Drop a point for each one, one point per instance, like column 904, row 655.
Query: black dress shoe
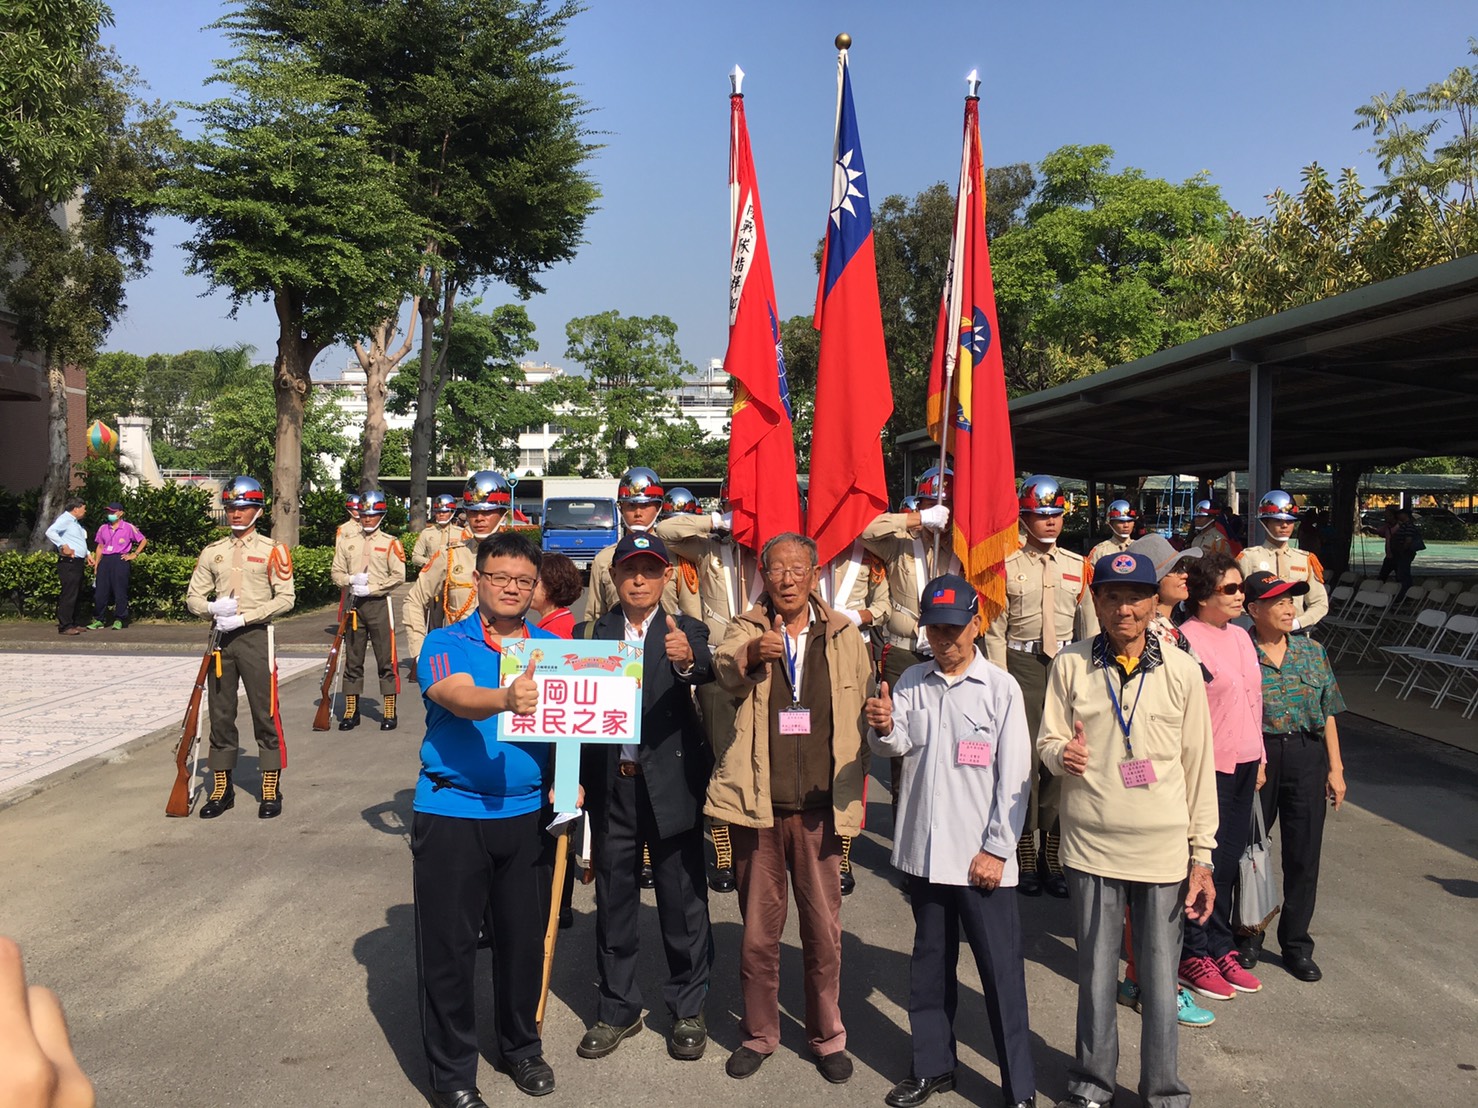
column 388, row 724
column 566, row 918
column 744, row 1062
column 1073, row 1100
column 1249, row 949
column 913, row 1091
column 1302, row 966
column 458, row 1098
column 688, row 1038
column 721, row 880
column 1056, row 885
column 533, row 1076
column 1029, row 1102
column 223, row 803
column 349, row 723
column 603, row 1038
column 270, row 809
column 647, row 878
column 836, row 1068
column 1029, row 883
column 848, row 882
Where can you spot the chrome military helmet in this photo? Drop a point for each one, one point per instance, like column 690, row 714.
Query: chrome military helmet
column 929, row 484
column 1277, row 504
column 243, row 492
column 1041, row 496
column 487, row 491
column 909, row 504
column 1203, row 510
column 640, row 485
column 1121, row 511
column 680, row 501
column 351, row 502
column 445, row 502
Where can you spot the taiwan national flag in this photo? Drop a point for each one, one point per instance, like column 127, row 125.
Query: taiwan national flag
column 854, row 397
column 763, row 494
column 967, row 392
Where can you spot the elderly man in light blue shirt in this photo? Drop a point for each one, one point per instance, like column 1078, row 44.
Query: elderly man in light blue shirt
column 959, row 724
column 67, row 535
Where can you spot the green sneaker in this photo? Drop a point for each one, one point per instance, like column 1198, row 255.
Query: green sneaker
column 118, row 625
column 1129, row 994
column 95, row 625
column 1191, row 1014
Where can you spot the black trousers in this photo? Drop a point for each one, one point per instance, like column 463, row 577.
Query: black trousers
column 1294, row 798
column 70, row 571
column 682, row 907
column 468, row 873
column 112, row 587
column 1235, row 793
column 374, row 626
column 993, row 929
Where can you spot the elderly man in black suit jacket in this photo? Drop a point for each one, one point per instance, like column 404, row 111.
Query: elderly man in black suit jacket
column 651, row 793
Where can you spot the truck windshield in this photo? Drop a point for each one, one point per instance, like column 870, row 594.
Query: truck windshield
column 579, row 515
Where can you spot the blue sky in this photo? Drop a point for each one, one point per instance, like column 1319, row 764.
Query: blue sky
column 1250, row 92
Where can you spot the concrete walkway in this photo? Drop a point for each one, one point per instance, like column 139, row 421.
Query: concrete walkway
column 261, row 964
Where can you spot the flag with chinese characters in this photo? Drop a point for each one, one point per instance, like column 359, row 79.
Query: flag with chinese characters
column 854, row 397
column 967, row 400
column 763, row 494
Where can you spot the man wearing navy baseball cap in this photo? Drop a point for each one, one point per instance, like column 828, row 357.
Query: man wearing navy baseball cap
column 1127, row 726
column 958, row 724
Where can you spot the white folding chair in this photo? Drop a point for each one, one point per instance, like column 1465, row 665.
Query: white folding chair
column 1420, row 639
column 1465, row 604
column 1456, row 641
column 1366, row 632
column 1358, row 613
column 1348, row 577
column 1390, row 588
column 1339, row 607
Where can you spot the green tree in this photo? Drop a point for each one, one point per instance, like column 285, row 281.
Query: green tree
column 1084, row 281
column 113, row 385
column 488, row 401
column 395, row 462
column 237, row 433
column 474, row 103
column 621, row 407
column 291, row 203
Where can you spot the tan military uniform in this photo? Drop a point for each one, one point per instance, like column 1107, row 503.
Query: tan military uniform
column 1212, row 540
column 601, row 596
column 348, row 527
column 724, row 571
column 1288, row 563
column 432, row 542
column 869, row 591
column 909, row 562
column 258, row 572
column 1111, row 545
column 444, row 591
column 383, row 558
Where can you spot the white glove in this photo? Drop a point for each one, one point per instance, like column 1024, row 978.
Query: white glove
column 935, row 518
column 1297, row 626
column 722, row 521
column 231, row 622
column 359, row 588
column 359, row 579
column 225, row 606
column 855, row 617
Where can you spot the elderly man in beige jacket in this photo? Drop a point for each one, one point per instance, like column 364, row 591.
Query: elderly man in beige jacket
column 789, row 778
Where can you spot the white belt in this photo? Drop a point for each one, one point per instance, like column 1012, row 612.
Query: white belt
column 1034, row 646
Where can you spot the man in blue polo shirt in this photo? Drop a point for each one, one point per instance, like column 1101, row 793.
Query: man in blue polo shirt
column 480, row 854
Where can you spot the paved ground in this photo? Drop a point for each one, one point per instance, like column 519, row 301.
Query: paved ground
column 263, row 964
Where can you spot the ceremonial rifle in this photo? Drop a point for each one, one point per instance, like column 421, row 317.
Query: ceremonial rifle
column 182, row 796
column 331, row 665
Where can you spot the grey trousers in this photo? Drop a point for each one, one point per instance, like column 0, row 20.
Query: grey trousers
column 1157, row 915
column 1030, row 671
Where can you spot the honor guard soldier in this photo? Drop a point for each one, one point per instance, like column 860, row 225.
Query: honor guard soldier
column 639, row 498
column 372, row 565
column 445, row 591
column 251, row 579
column 439, row 535
column 1207, row 533
column 1045, row 586
column 351, row 525
column 681, row 502
column 1278, row 515
column 1121, row 520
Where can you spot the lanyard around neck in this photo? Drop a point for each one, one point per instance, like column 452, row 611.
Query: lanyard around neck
column 1125, row 725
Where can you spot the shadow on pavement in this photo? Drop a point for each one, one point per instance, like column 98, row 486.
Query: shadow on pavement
column 388, row 957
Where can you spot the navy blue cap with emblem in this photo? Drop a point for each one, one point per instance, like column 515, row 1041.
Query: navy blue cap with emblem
column 636, row 543
column 1125, row 568
column 950, row 600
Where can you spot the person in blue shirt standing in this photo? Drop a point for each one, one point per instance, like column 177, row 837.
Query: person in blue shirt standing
column 70, row 540
column 480, row 854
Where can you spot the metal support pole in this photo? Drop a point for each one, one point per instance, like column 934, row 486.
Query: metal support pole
column 1092, row 511
column 1259, row 436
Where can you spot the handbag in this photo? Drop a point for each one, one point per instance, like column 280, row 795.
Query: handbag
column 1259, row 891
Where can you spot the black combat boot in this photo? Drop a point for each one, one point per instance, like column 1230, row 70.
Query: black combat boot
column 387, row 719
column 222, row 795
column 271, row 805
column 350, row 719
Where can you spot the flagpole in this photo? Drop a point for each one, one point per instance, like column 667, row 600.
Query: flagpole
column 956, row 294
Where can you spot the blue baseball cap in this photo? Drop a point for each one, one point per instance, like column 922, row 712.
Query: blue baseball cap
column 1126, row 568
column 636, row 543
column 950, row 600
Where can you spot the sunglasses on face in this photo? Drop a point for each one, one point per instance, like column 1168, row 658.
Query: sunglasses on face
column 1229, row 590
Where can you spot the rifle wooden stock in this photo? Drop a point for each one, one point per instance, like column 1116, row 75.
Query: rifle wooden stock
column 179, row 797
column 331, row 665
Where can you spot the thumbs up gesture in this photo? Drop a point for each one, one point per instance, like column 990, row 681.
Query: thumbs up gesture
column 679, row 650
column 879, row 711
column 523, row 693
column 1075, row 754
column 772, row 642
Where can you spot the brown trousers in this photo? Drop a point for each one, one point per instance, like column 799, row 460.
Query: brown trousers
column 807, row 845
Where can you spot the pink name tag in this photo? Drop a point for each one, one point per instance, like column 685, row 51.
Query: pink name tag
column 972, row 752
column 1137, row 772
column 795, row 721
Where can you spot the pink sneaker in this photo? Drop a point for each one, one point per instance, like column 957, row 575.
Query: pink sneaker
column 1234, row 975
column 1200, row 975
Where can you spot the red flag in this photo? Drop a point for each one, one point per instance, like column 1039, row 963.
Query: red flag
column 972, row 391
column 854, row 397
column 763, row 495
